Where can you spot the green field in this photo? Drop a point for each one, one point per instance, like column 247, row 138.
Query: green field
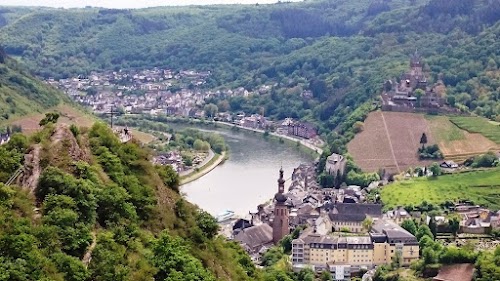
column 482, row 187
column 478, row 125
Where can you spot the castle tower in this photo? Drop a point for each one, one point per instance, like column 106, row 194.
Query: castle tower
column 416, row 64
column 281, row 216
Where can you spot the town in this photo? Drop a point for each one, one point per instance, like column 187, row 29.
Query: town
column 339, row 228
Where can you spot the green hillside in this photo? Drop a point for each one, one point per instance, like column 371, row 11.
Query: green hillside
column 21, row 93
column 341, row 50
column 481, row 187
column 479, row 125
column 99, row 210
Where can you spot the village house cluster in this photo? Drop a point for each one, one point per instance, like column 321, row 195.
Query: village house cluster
column 173, row 93
column 335, row 237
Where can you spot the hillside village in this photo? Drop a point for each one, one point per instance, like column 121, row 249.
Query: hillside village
column 172, row 93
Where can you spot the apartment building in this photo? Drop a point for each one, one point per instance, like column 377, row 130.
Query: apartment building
column 343, row 255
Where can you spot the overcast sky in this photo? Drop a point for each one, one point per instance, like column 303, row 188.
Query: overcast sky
column 124, row 3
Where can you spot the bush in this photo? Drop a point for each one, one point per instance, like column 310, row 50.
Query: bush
column 430, row 152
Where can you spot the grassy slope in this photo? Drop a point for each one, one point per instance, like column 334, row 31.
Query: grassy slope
column 22, row 94
column 455, row 143
column 482, row 187
column 478, row 125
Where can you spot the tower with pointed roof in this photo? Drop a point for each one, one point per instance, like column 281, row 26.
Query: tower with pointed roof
column 416, row 64
column 281, row 215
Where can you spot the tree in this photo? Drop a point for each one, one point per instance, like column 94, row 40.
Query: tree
column 174, row 262
column 429, row 256
column 396, row 260
column 210, row 110
column 433, row 226
column 410, row 226
column 367, row 223
column 207, row 223
column 454, row 224
column 286, row 243
column 326, row 275
column 418, row 94
column 435, row 169
column 423, row 140
column 358, row 127
column 305, row 274
column 169, row 176
column 50, row 117
column 424, row 230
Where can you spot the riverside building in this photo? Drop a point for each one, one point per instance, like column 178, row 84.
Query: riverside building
column 344, row 255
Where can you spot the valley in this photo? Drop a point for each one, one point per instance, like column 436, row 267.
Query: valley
column 293, row 141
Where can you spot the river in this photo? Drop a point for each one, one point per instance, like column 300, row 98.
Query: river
column 249, row 177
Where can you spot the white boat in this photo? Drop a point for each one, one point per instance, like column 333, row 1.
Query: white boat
column 224, row 216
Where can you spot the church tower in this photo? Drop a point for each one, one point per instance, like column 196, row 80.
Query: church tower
column 281, row 220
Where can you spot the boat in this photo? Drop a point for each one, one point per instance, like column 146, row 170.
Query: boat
column 224, row 216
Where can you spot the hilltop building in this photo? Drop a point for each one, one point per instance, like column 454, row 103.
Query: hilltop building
column 345, row 255
column 403, row 96
column 281, row 221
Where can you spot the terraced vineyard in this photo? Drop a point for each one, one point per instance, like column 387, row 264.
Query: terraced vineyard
column 390, row 140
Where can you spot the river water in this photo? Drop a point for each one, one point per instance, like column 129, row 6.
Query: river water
column 249, row 177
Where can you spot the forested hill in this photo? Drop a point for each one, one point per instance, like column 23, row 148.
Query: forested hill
column 87, row 207
column 342, row 50
column 21, row 93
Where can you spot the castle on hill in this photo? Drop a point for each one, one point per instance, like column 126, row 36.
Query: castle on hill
column 412, row 91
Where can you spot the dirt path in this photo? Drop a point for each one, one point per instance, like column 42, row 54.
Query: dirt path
column 88, row 255
column 390, row 143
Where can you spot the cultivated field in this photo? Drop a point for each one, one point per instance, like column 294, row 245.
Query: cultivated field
column 482, row 187
column 390, row 140
column 455, row 143
column 479, row 125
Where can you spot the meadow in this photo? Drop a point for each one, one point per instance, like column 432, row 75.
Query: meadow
column 458, row 143
column 481, row 187
column 478, row 125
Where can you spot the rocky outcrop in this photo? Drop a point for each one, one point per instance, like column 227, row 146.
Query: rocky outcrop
column 31, row 170
column 62, row 136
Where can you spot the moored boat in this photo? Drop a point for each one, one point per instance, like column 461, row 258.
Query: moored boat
column 225, row 215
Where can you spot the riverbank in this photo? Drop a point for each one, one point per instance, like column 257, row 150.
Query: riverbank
column 216, row 160
column 317, row 150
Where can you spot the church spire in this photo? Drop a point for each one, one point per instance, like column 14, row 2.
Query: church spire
column 281, row 182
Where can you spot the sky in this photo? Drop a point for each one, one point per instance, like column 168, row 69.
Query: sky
column 124, row 4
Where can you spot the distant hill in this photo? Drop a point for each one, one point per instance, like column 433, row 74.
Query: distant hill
column 341, row 50
column 21, row 93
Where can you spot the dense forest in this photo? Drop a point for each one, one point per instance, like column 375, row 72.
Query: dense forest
column 340, row 50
